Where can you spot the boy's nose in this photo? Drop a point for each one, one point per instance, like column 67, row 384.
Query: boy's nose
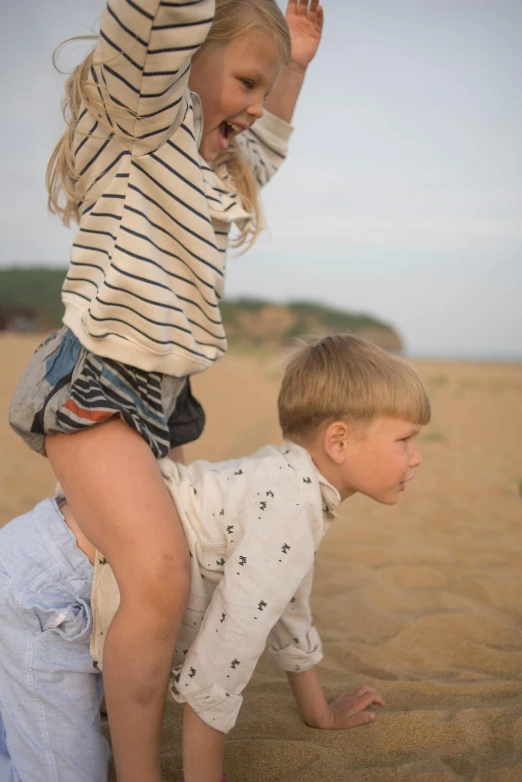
column 415, row 457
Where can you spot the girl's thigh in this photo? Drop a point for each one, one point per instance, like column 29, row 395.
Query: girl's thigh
column 114, row 486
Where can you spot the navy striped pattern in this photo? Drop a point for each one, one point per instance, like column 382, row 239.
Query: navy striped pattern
column 105, row 388
column 65, row 388
column 148, row 262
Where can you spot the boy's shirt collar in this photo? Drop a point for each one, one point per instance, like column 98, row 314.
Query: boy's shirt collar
column 329, row 494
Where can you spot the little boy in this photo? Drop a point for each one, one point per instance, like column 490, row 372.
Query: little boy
column 350, row 414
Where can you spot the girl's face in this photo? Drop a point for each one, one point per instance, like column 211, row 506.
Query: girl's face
column 233, row 82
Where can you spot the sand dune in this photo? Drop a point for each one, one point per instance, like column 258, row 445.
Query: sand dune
column 423, row 600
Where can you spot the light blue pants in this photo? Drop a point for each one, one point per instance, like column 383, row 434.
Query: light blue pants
column 50, row 691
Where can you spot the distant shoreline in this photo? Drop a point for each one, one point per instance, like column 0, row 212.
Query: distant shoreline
column 469, row 358
column 504, row 360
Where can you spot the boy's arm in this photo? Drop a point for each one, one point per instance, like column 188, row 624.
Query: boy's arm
column 346, row 711
column 294, row 643
column 306, row 27
column 296, row 647
column 202, row 749
column 271, row 550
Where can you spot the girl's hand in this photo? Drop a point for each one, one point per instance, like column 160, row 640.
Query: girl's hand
column 306, row 26
column 348, row 710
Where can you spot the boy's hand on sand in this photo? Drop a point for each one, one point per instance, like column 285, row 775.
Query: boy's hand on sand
column 305, row 21
column 348, row 710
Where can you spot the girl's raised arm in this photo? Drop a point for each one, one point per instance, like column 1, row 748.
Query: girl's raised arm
column 265, row 144
column 305, row 21
column 142, row 62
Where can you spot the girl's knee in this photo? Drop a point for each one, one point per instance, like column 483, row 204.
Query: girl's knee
column 163, row 591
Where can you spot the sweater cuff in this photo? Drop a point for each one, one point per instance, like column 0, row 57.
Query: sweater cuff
column 273, row 131
column 299, row 657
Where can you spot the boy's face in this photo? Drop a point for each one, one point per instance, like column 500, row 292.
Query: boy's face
column 380, row 461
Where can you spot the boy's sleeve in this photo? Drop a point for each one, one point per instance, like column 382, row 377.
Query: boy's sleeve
column 265, row 146
column 294, row 643
column 142, row 63
column 273, row 551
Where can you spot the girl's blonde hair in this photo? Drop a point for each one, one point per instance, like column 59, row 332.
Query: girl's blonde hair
column 347, row 378
column 233, row 19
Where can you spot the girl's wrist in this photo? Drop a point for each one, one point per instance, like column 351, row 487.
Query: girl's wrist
column 296, row 69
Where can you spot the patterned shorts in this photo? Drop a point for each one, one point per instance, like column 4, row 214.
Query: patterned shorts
column 65, row 388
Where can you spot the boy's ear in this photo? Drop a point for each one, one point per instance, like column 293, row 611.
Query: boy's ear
column 336, row 441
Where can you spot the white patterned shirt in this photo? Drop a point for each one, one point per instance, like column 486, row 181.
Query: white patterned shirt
column 253, row 526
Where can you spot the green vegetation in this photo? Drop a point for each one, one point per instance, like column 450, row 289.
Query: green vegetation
column 254, row 322
column 30, row 300
column 32, row 292
column 305, row 312
column 333, row 319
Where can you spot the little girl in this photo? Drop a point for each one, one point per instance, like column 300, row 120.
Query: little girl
column 159, row 159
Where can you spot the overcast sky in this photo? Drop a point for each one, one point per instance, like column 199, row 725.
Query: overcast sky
column 402, row 195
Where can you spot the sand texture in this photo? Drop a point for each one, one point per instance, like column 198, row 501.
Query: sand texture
column 422, row 600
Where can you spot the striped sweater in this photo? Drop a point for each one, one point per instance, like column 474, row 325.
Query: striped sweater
column 148, row 262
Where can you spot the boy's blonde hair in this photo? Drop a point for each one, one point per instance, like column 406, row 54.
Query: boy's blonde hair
column 346, row 378
column 233, row 19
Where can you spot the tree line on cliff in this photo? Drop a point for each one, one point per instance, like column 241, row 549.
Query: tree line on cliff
column 30, row 301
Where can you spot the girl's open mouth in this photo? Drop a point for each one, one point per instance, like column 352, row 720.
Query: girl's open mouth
column 227, row 131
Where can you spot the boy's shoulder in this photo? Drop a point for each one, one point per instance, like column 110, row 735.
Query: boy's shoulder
column 275, row 472
column 283, row 464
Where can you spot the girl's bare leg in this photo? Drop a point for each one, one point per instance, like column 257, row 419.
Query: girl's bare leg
column 114, row 486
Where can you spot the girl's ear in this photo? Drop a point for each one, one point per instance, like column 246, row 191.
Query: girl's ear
column 336, row 441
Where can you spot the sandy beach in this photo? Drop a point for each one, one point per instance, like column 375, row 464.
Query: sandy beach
column 422, row 600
